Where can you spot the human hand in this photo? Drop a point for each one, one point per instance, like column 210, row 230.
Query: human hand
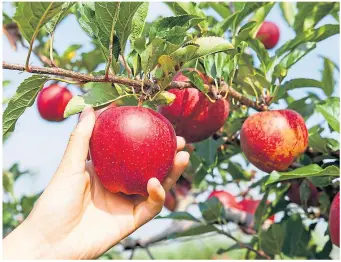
column 76, row 217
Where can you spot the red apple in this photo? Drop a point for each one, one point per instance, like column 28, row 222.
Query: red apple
column 180, row 77
column 179, row 190
column 334, row 220
column 225, row 198
column 250, row 206
column 130, row 145
column 268, row 34
column 170, row 201
column 52, row 101
column 193, row 115
column 272, row 140
column 294, row 193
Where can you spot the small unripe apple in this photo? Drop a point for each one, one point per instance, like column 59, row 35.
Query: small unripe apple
column 334, row 220
column 52, row 101
column 250, row 206
column 129, row 145
column 268, row 34
column 294, row 193
column 272, row 140
column 194, row 116
column 228, row 200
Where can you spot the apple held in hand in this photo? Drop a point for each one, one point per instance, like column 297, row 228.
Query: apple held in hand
column 130, row 145
column 334, row 220
column 272, row 140
column 52, row 101
column 268, row 34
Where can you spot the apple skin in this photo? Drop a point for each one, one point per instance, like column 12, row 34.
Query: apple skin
column 268, row 34
column 294, row 193
column 250, row 206
column 180, row 77
column 180, row 189
column 129, row 145
column 334, row 220
column 272, row 140
column 52, row 101
column 194, row 116
column 228, row 200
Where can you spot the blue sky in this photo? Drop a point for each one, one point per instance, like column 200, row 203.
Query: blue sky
column 39, row 145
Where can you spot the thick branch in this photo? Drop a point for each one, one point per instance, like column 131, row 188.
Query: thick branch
column 136, row 84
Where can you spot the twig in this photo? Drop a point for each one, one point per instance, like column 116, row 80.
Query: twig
column 124, row 62
column 149, row 253
column 51, row 50
column 111, row 40
column 132, row 254
column 34, row 37
column 136, row 84
column 243, row 245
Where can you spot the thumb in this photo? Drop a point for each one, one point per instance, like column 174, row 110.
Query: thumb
column 77, row 149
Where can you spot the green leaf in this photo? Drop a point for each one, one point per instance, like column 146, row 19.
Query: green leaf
column 194, row 231
column 297, row 237
column 179, row 216
column 207, row 149
column 288, row 10
column 157, row 48
column 321, row 144
column 212, row 210
column 260, row 16
column 138, row 22
column 92, row 59
column 189, row 8
column 261, row 211
column 311, row 35
column 23, row 98
column 201, row 47
column 281, row 69
column 8, row 182
column 309, row 14
column 100, row 94
column 123, row 25
column 306, row 171
column 328, row 76
column 173, row 29
column 51, row 25
column 261, row 52
column 87, row 19
column 195, row 78
column 238, row 172
column 298, row 83
column 271, row 241
column 31, row 16
column 330, row 109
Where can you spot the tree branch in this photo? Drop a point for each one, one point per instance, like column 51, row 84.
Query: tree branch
column 135, row 84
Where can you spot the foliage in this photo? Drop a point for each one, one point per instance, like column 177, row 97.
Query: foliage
column 226, row 50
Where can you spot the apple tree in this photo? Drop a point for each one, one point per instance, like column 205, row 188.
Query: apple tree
column 222, row 82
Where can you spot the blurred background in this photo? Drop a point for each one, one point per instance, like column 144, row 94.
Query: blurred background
column 38, row 145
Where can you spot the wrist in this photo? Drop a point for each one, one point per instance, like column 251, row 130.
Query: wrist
column 25, row 243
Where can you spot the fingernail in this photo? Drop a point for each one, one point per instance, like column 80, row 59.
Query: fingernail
column 86, row 112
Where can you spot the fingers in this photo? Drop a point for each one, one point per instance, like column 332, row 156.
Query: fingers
column 180, row 163
column 146, row 210
column 180, row 143
column 78, row 146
